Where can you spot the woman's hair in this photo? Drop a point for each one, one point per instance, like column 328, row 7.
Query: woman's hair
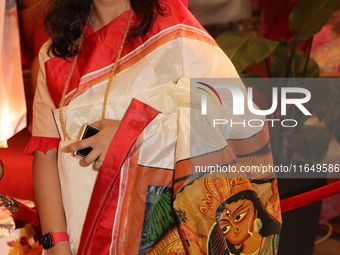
column 270, row 225
column 64, row 19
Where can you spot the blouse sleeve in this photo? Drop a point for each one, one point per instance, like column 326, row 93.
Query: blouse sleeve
column 45, row 135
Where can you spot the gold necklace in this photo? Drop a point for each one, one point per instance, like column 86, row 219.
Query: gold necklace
column 108, row 86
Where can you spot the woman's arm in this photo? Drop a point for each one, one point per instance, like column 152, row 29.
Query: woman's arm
column 48, row 196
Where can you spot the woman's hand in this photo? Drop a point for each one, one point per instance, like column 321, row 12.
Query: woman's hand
column 99, row 143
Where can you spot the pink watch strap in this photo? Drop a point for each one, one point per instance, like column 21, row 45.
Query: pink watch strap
column 59, row 237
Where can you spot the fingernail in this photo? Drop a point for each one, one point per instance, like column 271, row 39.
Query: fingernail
column 64, row 150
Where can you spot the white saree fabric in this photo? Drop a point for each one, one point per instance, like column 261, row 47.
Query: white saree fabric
column 12, row 96
column 161, row 80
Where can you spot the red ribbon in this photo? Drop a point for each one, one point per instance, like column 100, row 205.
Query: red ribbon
column 310, row 197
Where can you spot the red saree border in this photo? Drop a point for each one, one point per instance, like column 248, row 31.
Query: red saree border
column 139, row 178
column 178, row 31
column 97, row 230
column 103, row 54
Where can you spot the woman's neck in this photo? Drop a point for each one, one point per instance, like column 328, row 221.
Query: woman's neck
column 107, row 10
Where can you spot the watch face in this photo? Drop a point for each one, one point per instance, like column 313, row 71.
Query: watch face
column 46, row 241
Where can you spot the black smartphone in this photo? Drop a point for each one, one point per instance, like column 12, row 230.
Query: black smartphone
column 86, row 132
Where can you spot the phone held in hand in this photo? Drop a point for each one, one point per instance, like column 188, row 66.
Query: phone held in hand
column 85, row 132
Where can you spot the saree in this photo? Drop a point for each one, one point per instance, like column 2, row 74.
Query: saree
column 147, row 198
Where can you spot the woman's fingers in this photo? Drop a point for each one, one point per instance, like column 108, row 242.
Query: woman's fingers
column 105, row 123
column 78, row 145
column 99, row 143
column 97, row 165
column 90, row 158
column 98, row 124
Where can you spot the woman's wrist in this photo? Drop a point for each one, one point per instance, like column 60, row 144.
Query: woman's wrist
column 60, row 248
column 50, row 239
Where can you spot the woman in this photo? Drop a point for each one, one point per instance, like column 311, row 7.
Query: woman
column 124, row 67
column 244, row 227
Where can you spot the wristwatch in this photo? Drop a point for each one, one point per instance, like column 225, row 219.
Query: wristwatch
column 50, row 239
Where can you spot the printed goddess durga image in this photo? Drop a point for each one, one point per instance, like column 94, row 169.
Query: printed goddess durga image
column 243, row 226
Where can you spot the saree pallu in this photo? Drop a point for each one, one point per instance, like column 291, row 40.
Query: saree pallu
column 145, row 186
column 146, row 199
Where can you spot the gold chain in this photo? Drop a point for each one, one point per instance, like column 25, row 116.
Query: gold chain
column 108, row 86
column 115, row 65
